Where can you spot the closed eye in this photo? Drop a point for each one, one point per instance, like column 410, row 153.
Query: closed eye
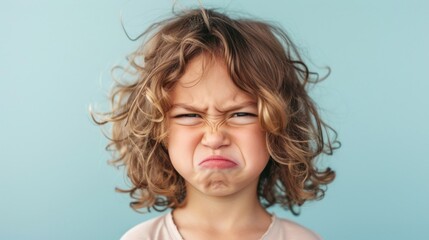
column 188, row 115
column 243, row 118
column 243, row 114
column 188, row 119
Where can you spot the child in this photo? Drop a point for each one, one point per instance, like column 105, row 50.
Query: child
column 218, row 127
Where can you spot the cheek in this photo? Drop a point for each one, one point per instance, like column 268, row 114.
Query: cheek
column 253, row 146
column 181, row 144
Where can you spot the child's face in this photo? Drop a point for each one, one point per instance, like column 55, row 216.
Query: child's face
column 215, row 140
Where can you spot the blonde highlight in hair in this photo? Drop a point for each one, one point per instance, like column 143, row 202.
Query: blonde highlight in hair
column 263, row 62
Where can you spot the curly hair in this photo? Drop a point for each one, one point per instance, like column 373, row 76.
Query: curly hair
column 263, row 62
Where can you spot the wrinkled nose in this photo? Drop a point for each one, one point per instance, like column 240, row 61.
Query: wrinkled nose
column 215, row 138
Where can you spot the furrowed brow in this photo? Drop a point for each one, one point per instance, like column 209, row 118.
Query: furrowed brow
column 226, row 109
column 188, row 107
column 238, row 106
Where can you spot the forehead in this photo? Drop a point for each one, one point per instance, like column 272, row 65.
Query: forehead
column 206, row 83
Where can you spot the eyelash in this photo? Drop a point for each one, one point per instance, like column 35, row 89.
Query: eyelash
column 187, row 115
column 243, row 114
column 237, row 114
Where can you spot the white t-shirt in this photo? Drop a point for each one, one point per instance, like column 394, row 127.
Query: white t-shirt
column 164, row 228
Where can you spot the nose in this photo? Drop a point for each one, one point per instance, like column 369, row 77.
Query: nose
column 215, row 138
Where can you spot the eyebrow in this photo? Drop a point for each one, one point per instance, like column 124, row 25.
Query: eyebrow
column 226, row 109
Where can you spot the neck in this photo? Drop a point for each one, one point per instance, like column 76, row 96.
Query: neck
column 221, row 212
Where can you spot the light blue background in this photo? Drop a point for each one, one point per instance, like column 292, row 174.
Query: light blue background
column 55, row 58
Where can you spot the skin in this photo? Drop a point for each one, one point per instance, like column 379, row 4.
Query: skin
column 212, row 117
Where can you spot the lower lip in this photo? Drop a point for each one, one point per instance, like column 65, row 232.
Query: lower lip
column 218, row 164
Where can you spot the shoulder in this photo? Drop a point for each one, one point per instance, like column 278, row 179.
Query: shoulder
column 156, row 228
column 287, row 229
